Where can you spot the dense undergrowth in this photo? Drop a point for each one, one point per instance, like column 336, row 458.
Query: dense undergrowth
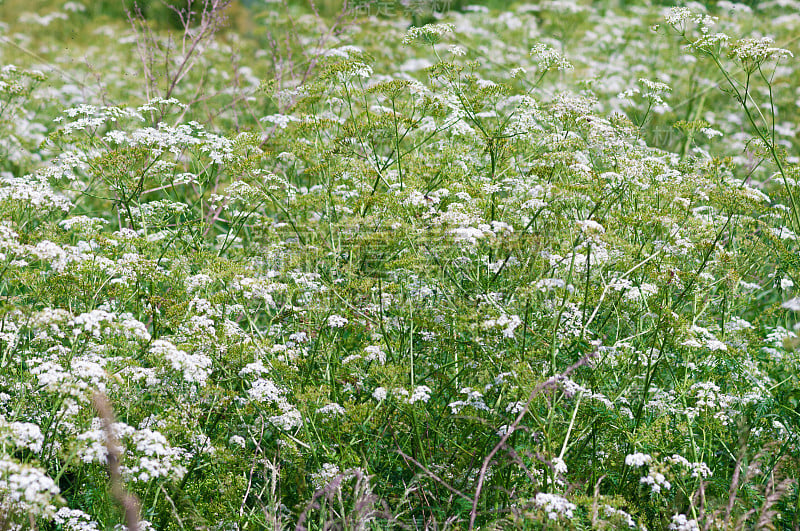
column 528, row 269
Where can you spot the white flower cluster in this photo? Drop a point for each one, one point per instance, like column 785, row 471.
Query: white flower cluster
column 681, row 523
column 699, row 470
column 427, row 34
column 83, row 223
column 157, row 459
column 22, row 434
column 474, row 399
column 74, row 520
column 331, row 410
column 374, row 353
column 709, row 396
column 737, row 323
column 92, row 444
column 195, row 367
column 147, row 453
column 564, row 7
column 559, row 466
column 572, row 388
column 337, row 321
column 421, row 393
column 700, row 337
column 379, row 394
column 25, row 489
column 265, row 391
column 471, row 235
column 259, row 288
column 144, row 525
column 654, row 90
column 656, row 480
column 549, row 284
column 324, row 475
column 133, row 328
column 548, row 57
column 619, row 514
column 280, row 120
column 637, row 459
column 571, row 320
column 590, row 226
column 85, row 375
column 509, row 323
column 751, row 53
column 679, row 16
column 354, row 69
column 92, row 322
column 554, row 506
column 633, row 292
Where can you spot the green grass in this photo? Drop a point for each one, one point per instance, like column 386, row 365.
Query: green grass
column 533, row 270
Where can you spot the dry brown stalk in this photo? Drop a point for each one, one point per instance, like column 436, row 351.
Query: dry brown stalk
column 547, row 384
column 128, row 501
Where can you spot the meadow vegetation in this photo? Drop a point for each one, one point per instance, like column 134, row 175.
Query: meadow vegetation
column 273, row 266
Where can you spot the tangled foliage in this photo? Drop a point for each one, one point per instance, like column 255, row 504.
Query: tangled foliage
column 431, row 279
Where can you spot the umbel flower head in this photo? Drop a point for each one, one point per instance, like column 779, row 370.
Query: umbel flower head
column 548, row 58
column 752, row 53
column 429, row 34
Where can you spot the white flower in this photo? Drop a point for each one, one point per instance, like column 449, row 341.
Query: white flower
column 281, row 120
column 474, row 399
column 559, row 466
column 678, row 15
column 324, row 475
column 554, row 505
column 336, row 321
column 288, row 420
column 374, row 353
column 509, row 322
column 264, row 390
column 699, row 469
column 681, row 523
column 547, row 284
column 24, row 435
column 503, row 430
column 421, row 392
column 74, row 520
column 195, row 367
column 26, row 489
column 784, row 233
column 457, row 51
column 610, row 511
column 74, row 7
column 710, row 133
column 641, row 292
column 657, row 481
column 637, row 459
column 331, row 410
column 590, row 225
column 549, row 57
column 753, row 52
column 427, row 34
column 791, row 304
column 92, row 322
column 379, row 394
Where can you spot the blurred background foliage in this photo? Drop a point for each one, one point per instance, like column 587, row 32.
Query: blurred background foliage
column 271, row 40
column 163, row 13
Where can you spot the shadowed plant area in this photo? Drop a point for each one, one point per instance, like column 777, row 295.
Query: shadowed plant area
column 399, row 265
